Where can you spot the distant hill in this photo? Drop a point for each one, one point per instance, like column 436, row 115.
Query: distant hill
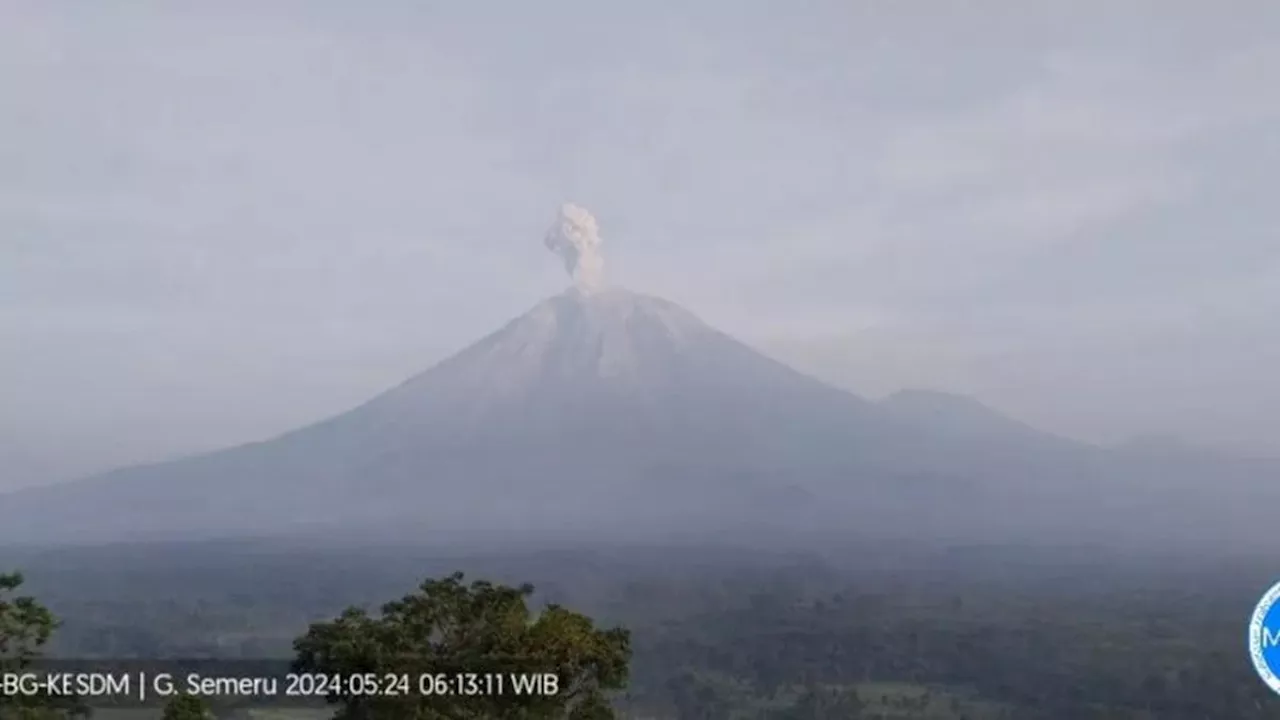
column 615, row 414
column 957, row 414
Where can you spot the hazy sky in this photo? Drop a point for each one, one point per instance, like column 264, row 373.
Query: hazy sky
column 222, row 220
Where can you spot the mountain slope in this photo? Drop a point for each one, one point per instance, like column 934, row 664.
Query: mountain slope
column 588, row 406
column 950, row 413
column 611, row 414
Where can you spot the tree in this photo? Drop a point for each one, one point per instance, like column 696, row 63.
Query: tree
column 25, row 625
column 186, row 707
column 453, row 650
column 695, row 698
column 25, row 628
column 823, row 704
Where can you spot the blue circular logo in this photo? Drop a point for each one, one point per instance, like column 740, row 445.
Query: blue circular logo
column 1264, row 638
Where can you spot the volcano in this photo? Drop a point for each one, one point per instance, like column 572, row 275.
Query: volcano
column 595, row 408
column 607, row 413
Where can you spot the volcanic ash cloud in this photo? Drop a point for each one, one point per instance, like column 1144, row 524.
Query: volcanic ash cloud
column 575, row 237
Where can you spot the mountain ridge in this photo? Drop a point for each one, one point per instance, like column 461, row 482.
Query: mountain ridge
column 609, row 412
column 600, row 394
column 954, row 412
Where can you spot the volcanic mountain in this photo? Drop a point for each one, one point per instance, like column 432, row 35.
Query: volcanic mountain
column 593, row 407
column 609, row 414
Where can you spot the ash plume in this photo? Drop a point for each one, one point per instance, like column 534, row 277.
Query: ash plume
column 575, row 237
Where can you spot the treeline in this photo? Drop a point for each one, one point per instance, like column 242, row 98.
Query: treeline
column 1033, row 658
column 789, row 636
column 446, row 630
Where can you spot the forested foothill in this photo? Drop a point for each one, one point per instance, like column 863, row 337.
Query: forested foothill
column 865, row 630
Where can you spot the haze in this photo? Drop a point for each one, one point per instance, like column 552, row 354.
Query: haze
column 221, row 222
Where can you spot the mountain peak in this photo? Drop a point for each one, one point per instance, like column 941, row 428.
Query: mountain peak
column 584, row 353
column 603, row 411
column 579, row 336
column 596, row 406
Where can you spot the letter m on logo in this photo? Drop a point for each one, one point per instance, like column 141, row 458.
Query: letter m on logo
column 1270, row 638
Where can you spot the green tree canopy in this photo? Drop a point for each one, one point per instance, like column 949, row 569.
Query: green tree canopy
column 186, row 707
column 25, row 625
column 481, row 632
column 25, row 628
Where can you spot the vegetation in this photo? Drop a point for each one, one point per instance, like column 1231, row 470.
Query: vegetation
column 478, row 643
column 186, row 707
column 865, row 632
column 25, row 628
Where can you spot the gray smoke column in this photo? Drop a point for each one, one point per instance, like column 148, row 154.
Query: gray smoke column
column 575, row 237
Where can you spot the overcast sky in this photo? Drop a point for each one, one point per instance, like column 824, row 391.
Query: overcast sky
column 222, row 220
